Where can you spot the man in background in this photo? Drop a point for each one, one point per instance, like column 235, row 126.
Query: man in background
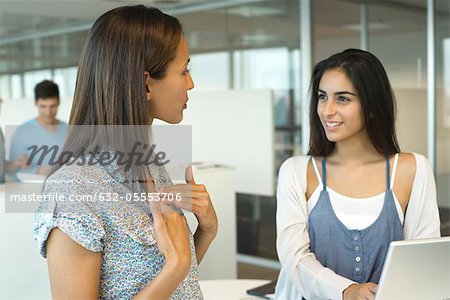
column 44, row 130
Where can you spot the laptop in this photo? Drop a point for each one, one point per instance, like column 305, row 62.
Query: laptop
column 266, row 291
column 416, row 270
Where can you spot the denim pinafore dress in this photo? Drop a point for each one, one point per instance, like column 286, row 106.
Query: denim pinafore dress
column 355, row 254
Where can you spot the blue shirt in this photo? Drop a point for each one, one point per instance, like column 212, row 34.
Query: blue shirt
column 31, row 133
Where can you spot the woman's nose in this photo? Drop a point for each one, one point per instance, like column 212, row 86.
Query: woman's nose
column 190, row 82
column 330, row 108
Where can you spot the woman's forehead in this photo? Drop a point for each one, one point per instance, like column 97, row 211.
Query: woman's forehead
column 335, row 79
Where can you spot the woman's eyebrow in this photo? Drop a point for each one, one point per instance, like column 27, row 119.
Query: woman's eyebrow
column 338, row 93
column 344, row 92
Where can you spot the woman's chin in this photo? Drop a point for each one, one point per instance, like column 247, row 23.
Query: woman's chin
column 331, row 137
column 173, row 120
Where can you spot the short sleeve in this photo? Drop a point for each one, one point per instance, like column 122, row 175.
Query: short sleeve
column 76, row 219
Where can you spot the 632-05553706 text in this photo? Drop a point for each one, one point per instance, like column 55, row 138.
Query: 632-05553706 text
column 102, row 197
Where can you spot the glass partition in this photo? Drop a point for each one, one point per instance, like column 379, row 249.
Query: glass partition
column 443, row 112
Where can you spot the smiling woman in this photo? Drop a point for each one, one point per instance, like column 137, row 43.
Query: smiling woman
column 335, row 222
column 338, row 102
column 134, row 68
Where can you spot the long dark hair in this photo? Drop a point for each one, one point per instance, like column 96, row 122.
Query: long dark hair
column 122, row 44
column 369, row 78
column 110, row 90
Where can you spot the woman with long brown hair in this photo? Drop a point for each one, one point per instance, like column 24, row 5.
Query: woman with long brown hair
column 340, row 206
column 134, row 68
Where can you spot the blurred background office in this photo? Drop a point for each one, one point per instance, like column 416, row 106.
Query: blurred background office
column 253, row 58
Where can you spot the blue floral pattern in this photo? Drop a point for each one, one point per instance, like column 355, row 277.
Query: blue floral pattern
column 121, row 230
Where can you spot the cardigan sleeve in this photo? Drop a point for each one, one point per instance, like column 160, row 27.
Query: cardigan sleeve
column 422, row 215
column 302, row 269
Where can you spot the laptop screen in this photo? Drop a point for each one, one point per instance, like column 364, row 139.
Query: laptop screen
column 416, row 269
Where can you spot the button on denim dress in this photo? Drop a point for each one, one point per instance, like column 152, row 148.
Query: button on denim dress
column 355, row 254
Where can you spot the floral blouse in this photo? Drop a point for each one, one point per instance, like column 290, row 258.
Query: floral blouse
column 122, row 230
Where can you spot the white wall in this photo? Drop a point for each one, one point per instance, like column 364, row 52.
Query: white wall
column 235, row 128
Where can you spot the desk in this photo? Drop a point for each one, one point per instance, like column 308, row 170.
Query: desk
column 229, row 289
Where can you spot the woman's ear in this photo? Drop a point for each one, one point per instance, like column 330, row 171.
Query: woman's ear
column 147, row 85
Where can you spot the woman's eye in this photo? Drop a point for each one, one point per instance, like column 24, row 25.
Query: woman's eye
column 343, row 99
column 322, row 97
column 187, row 71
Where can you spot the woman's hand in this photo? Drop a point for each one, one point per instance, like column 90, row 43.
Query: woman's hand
column 194, row 197
column 363, row 291
column 172, row 237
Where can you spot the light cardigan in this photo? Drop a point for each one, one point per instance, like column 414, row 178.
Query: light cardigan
column 302, row 275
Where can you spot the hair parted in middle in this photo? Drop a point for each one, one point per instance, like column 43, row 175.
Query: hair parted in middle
column 368, row 77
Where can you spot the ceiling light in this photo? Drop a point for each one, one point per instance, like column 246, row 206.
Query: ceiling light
column 371, row 26
column 255, row 11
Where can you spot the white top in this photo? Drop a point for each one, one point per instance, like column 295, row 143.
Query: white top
column 355, row 213
column 301, row 273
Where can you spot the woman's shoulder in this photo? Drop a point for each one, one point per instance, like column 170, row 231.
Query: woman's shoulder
column 299, row 162
column 412, row 164
column 413, row 169
column 298, row 159
column 407, row 162
column 68, row 173
column 75, row 174
column 294, row 170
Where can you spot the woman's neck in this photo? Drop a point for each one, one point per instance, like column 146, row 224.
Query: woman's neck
column 355, row 150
